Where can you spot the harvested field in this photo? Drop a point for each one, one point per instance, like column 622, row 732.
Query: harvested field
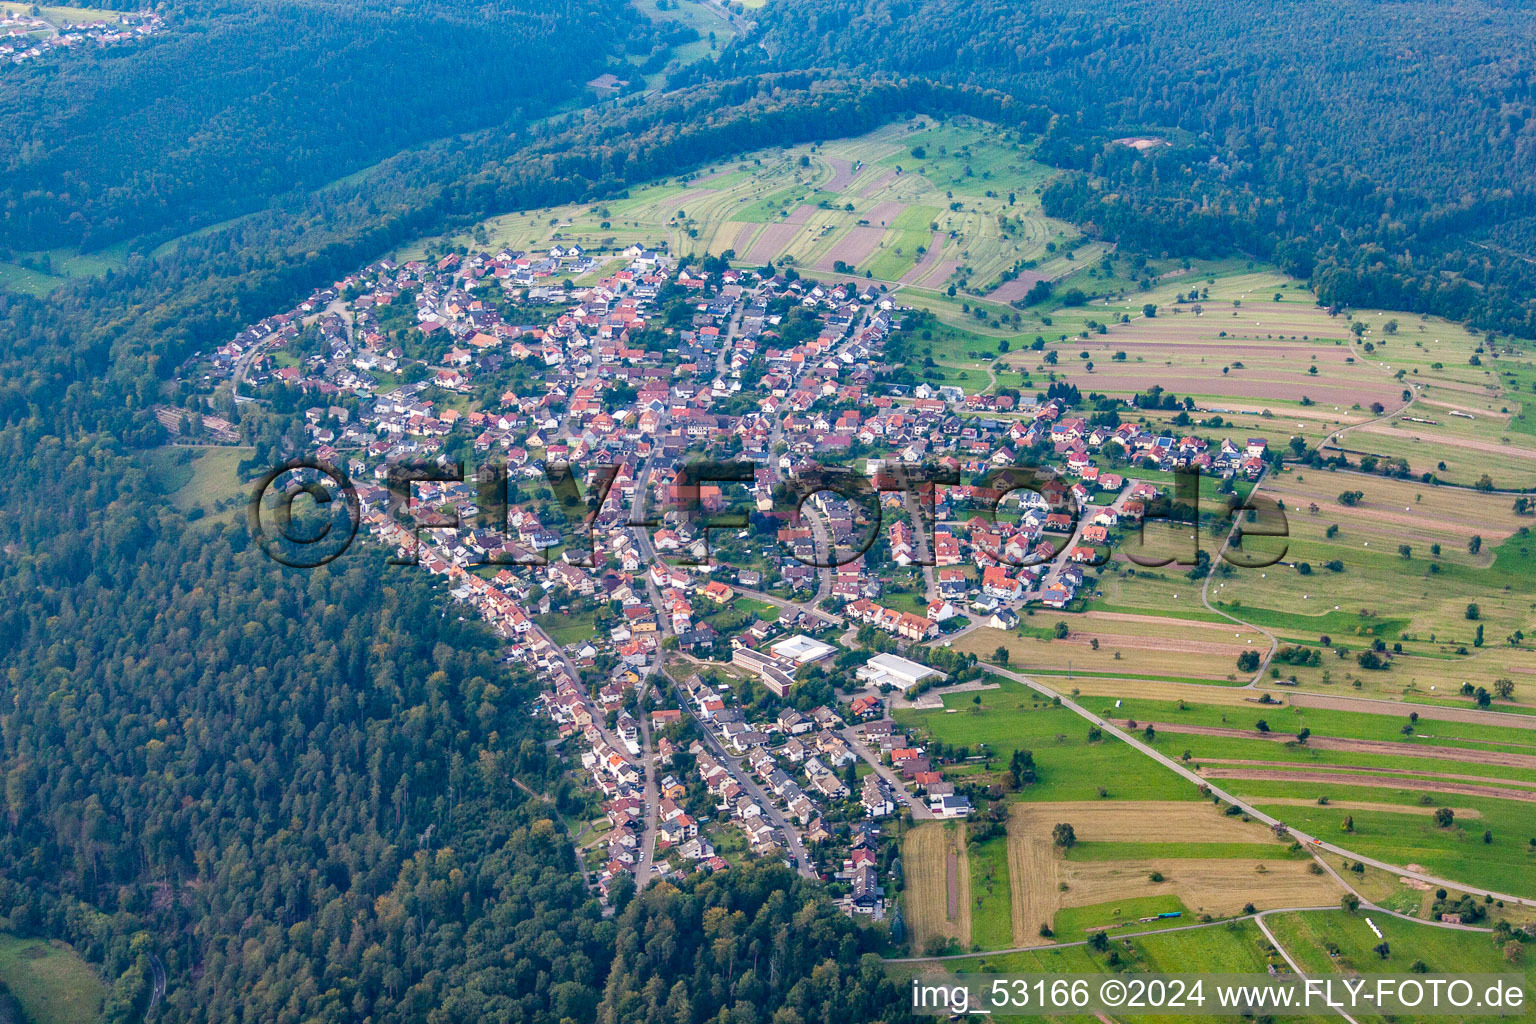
column 1034, row 870
column 842, row 174
column 1431, row 712
column 1359, row 805
column 1492, row 757
column 1417, row 525
column 884, row 214
column 940, row 273
column 1143, row 821
column 1206, row 885
column 1119, row 654
column 1221, row 886
column 873, row 186
column 1374, row 782
column 777, row 235
column 938, row 886
column 1277, row 386
column 1472, row 444
column 1154, row 689
column 1019, row 287
column 1183, row 645
column 1407, row 776
column 680, row 202
column 1262, row 351
column 929, row 261
column 844, row 181
column 853, row 248
column 1435, row 509
column 743, row 236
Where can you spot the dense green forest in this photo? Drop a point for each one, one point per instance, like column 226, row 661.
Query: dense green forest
column 741, row 948
column 1385, row 150
column 299, row 783
column 238, row 102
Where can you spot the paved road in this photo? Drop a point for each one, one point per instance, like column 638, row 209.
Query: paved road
column 242, row 367
column 1205, row 589
column 1084, row 942
column 157, row 985
column 723, row 358
column 243, row 364
column 920, row 811
column 1311, row 842
column 922, row 544
column 821, row 538
column 749, row 783
column 779, row 602
column 652, row 801
column 1063, row 553
column 1295, row 967
column 637, row 514
column 1364, row 358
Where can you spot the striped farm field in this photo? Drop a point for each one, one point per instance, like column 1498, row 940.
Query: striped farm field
column 938, row 901
column 965, row 212
column 1034, row 868
column 1190, row 853
column 1383, row 782
column 1154, row 689
column 1147, row 821
column 1403, row 835
column 1221, row 887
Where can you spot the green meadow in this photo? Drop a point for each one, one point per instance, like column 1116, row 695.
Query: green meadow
column 1070, row 767
column 51, row 982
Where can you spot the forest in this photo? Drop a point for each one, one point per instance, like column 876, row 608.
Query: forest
column 241, row 103
column 1384, row 151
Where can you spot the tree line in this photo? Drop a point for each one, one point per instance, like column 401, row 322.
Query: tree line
column 1386, row 179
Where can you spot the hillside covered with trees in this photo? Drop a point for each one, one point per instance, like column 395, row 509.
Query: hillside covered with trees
column 238, row 103
column 300, row 789
column 1383, row 150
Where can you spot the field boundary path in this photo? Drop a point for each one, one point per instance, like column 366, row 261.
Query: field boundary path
column 1259, row 920
column 1267, row 819
column 1205, row 592
column 1083, row 942
column 1414, row 390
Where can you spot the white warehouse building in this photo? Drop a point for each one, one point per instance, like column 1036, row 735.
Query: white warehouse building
column 802, row 650
column 895, row 672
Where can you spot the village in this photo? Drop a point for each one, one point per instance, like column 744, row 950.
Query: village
column 30, row 36
column 725, row 691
